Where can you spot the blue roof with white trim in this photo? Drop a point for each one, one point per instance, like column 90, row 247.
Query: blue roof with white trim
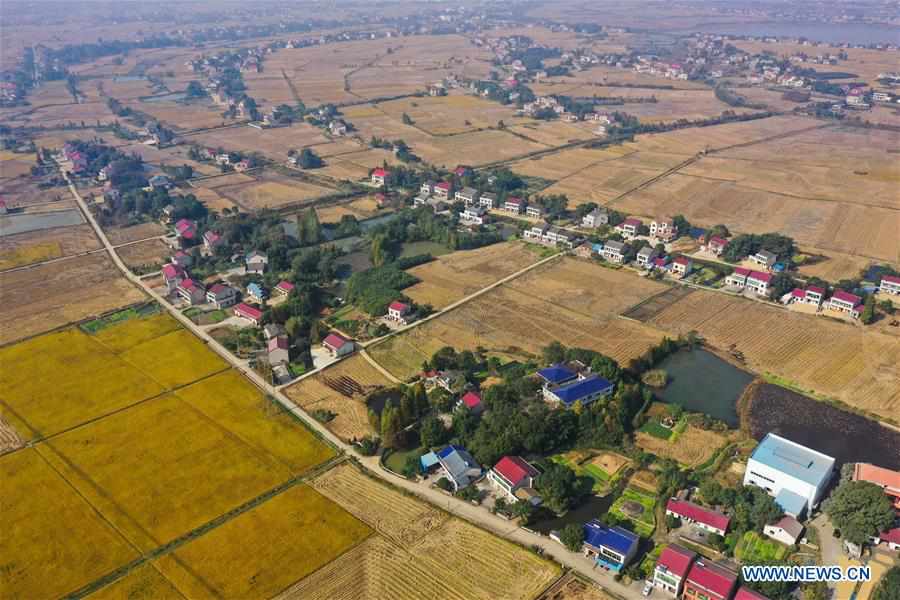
column 790, row 502
column 793, row 459
column 578, row 390
column 556, row 374
column 615, row 538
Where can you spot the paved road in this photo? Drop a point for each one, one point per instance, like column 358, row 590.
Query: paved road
column 465, row 510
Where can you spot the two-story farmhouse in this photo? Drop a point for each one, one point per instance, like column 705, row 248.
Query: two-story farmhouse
column 511, row 474
column 614, row 251
column 611, row 548
column 629, row 228
column 663, row 230
column 221, row 296
column 595, row 218
column 672, row 568
column 846, row 302
column 890, row 284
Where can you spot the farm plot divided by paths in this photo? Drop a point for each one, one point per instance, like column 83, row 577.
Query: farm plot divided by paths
column 147, row 451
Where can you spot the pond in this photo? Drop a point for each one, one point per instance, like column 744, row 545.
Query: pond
column 11, row 224
column 846, row 436
column 702, row 382
column 591, row 509
column 833, row 33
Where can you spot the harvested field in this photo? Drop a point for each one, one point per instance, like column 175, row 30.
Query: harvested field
column 211, row 200
column 458, row 274
column 610, row 462
column 835, row 266
column 450, row 114
column 274, row 142
column 476, row 148
column 82, row 286
column 123, row 235
column 652, row 306
column 693, row 447
column 26, row 255
column 861, row 368
column 273, row 192
column 9, row 437
column 24, row 192
column 518, row 318
column 183, row 117
column 266, row 549
column 35, row 246
column 496, row 568
column 572, row 587
column 324, row 391
column 149, row 254
column 45, row 526
column 175, row 358
column 361, row 208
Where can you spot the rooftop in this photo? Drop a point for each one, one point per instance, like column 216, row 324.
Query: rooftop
column 676, row 560
column 615, row 538
column 880, row 476
column 514, row 469
column 556, row 374
column 334, row 340
column 712, row 577
column 573, row 392
column 843, row 296
column 793, row 459
column 698, row 513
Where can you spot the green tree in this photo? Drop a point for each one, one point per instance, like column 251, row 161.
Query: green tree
column 412, row 467
column 553, row 353
column 560, row 487
column 309, row 159
column 374, row 420
column 524, row 510
column 195, row 90
column 868, row 313
column 378, row 253
column 390, row 427
column 859, row 509
column 432, row 432
column 817, row 590
column 406, row 119
column 572, row 537
column 889, row 586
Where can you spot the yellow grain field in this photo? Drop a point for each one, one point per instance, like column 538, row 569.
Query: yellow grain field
column 53, row 542
column 266, row 549
column 25, row 255
column 88, row 381
column 272, row 194
column 175, row 358
column 143, row 583
column 122, row 336
column 693, row 447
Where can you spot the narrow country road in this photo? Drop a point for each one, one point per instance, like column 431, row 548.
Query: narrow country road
column 465, row 510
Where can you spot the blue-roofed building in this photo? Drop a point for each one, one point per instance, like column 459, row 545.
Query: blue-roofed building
column 792, row 504
column 610, row 547
column 785, row 469
column 556, row 375
column 257, row 292
column 428, row 461
column 458, row 466
column 584, row 390
column 597, row 247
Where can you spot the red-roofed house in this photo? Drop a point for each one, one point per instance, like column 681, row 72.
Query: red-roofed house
column 759, row 282
column 704, row 518
column 191, row 291
column 738, row 278
column 891, row 537
column 681, row 266
column 337, row 345
column 284, row 288
column 787, row 530
column 245, row 311
column 379, row 176
column 172, row 274
column 745, row 593
column 221, row 296
column 462, row 171
column 183, row 226
column 814, row 295
column 629, row 227
column 397, row 311
column 663, row 229
column 279, row 350
column 442, row 190
column 512, row 473
column 707, row 581
column 181, row 259
column 842, row 301
column 886, row 479
column 472, row 401
column 716, row 245
column 890, row 285
column 672, row 567
column 514, row 205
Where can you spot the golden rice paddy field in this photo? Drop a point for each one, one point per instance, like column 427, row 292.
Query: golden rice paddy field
column 454, row 560
column 548, row 303
column 458, row 274
column 126, row 466
column 273, row 192
column 362, row 208
column 692, row 448
column 22, row 249
column 351, row 419
column 856, row 365
column 149, row 254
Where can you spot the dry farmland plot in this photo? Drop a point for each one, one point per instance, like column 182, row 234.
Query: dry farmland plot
column 9, row 437
column 123, row 235
column 272, row 192
column 476, row 148
column 265, row 550
column 182, row 117
column 449, row 114
column 519, row 316
column 693, row 447
column 362, row 208
column 152, row 253
column 314, row 393
column 571, row 587
column 211, row 200
column 82, row 286
column 860, row 368
column 34, row 246
column 274, row 142
column 456, row 275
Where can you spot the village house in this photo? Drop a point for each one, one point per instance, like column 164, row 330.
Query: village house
column 682, row 266
column 442, row 190
column 458, row 466
column 614, row 251
column 379, row 176
column 181, row 259
column 890, row 284
column 811, row 295
column 886, row 479
column 245, row 311
column 185, row 230
column 421, row 200
column 172, row 275
column 284, row 288
column 629, row 227
column 661, row 263
column 663, row 230
column 672, row 568
column 645, row 255
column 211, row 240
column 584, row 250
column 337, row 127
column 745, row 593
column 796, row 476
column 595, row 218
column 707, row 581
column 257, row 293
column 584, row 390
column 787, row 530
column 256, row 262
column 473, row 215
column 468, row 195
column 512, row 474
column 610, row 547
column 716, row 245
column 337, row 345
column 159, row 182
column 703, row 518
column 846, row 302
column 279, row 350
column 488, row 200
column 221, row 296
column 891, row 538
column 557, row 236
column 759, row 282
column 397, row 311
column 513, row 205
column 191, row 291
column 764, row 258
column 242, row 165
column 534, row 211
column 738, row 278
column 273, row 330
column 462, row 171
column 471, row 401
column 426, row 189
